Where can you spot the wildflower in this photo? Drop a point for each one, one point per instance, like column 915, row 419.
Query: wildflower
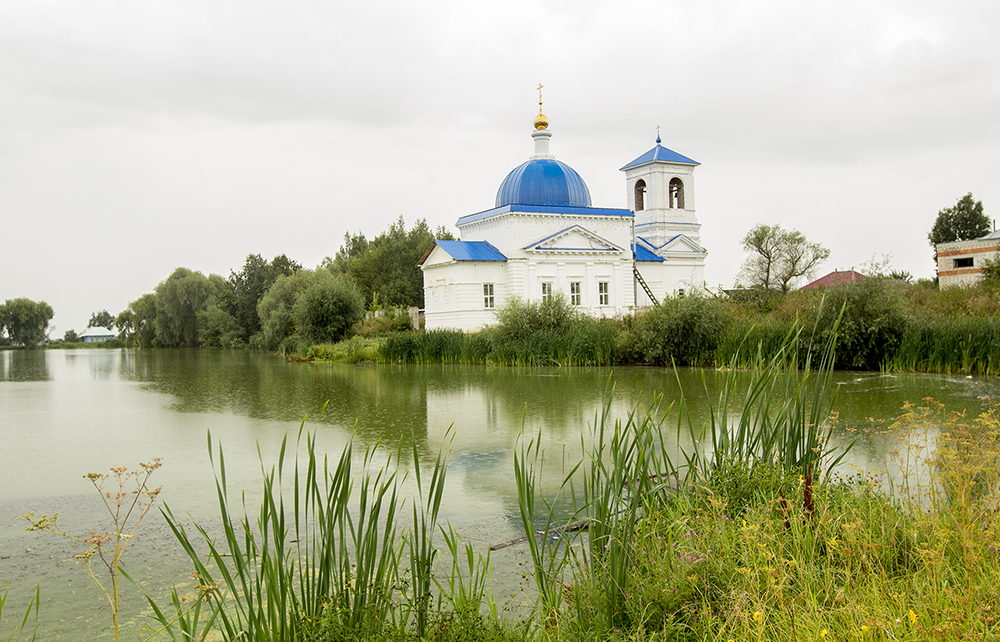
column 757, row 616
column 864, row 628
column 913, row 617
column 822, row 634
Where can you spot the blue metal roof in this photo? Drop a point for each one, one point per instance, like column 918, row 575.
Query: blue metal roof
column 545, row 209
column 543, row 181
column 644, row 254
column 471, row 250
column 663, row 155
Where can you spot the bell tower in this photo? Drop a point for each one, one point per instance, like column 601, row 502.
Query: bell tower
column 660, row 190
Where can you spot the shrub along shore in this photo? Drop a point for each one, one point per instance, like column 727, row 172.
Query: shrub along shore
column 883, row 325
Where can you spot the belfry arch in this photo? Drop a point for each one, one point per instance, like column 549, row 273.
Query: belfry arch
column 640, row 195
column 676, row 193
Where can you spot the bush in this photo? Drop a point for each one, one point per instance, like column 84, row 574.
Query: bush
column 685, row 330
column 375, row 325
column 871, row 329
column 354, row 350
column 327, row 307
column 277, row 320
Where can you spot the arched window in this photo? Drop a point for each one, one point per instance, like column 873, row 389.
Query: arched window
column 640, row 195
column 676, row 194
column 676, row 190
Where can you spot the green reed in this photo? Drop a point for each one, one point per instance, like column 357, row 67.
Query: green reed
column 325, row 556
column 950, row 344
column 18, row 628
column 784, row 420
column 333, row 550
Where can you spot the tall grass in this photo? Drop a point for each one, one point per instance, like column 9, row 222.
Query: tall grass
column 785, row 415
column 629, row 475
column 326, row 556
column 333, row 551
column 546, row 333
column 950, row 344
column 748, row 545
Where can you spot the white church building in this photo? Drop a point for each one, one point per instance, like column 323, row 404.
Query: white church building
column 544, row 236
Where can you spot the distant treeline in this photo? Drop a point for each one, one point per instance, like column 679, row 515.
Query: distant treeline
column 279, row 305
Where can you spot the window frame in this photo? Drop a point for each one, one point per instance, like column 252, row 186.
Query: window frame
column 576, row 293
column 546, row 290
column 604, row 293
column 489, row 296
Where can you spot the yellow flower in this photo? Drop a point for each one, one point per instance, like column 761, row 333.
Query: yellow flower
column 822, row 634
column 757, row 617
column 864, row 627
column 913, row 617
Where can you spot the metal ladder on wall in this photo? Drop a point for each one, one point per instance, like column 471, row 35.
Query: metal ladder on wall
column 642, row 282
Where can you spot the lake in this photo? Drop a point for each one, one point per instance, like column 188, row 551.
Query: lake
column 65, row 413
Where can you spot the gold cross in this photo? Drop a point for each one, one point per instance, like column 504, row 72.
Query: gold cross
column 540, row 85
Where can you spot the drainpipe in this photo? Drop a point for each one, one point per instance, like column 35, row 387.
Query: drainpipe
column 635, row 284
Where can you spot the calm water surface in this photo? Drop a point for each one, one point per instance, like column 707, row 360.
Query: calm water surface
column 67, row 413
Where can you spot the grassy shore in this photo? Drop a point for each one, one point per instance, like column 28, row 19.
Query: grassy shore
column 881, row 325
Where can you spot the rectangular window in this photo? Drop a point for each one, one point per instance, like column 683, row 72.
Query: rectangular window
column 574, row 293
column 546, row 291
column 963, row 262
column 604, row 293
column 488, row 300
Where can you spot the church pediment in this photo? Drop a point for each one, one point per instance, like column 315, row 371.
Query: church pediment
column 680, row 244
column 574, row 240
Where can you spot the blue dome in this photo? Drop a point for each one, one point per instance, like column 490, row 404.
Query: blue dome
column 543, row 181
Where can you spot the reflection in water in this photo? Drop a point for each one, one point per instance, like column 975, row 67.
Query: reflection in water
column 23, row 365
column 65, row 413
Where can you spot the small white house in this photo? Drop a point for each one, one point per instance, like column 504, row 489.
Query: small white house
column 97, row 335
column 544, row 236
column 960, row 263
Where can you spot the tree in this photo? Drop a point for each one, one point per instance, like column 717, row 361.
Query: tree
column 991, row 272
column 251, row 283
column 101, row 319
column 778, row 257
column 179, row 299
column 277, row 319
column 25, row 321
column 70, row 336
column 962, row 222
column 326, row 309
column 385, row 269
column 137, row 323
column 219, row 329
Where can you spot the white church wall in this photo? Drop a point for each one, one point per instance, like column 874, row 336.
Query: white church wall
column 454, row 296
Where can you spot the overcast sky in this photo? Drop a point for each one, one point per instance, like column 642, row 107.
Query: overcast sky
column 137, row 137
